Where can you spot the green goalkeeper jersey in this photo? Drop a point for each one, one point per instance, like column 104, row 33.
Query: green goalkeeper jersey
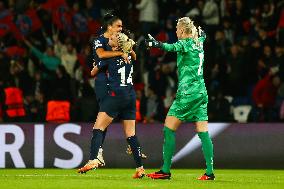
column 190, row 58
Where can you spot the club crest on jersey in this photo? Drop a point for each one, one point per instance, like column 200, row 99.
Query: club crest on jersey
column 97, row 43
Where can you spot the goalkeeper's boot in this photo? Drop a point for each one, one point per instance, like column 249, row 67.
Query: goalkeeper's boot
column 139, row 173
column 101, row 158
column 159, row 175
column 92, row 164
column 129, row 152
column 207, row 177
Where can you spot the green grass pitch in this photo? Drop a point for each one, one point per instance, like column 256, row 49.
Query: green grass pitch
column 121, row 178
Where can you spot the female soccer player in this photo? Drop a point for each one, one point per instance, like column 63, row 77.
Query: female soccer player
column 121, row 102
column 191, row 100
column 101, row 51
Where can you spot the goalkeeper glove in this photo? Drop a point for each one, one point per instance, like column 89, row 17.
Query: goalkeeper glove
column 201, row 33
column 152, row 42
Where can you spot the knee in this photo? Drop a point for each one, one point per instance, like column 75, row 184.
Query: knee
column 201, row 126
column 129, row 133
column 99, row 126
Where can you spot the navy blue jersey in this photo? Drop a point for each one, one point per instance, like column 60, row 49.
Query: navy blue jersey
column 101, row 42
column 119, row 75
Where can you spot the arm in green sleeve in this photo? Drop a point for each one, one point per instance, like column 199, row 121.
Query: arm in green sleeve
column 37, row 53
column 175, row 47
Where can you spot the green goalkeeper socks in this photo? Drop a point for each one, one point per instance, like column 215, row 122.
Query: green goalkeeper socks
column 207, row 148
column 168, row 148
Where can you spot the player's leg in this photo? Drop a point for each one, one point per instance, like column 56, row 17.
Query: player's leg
column 207, row 148
column 129, row 152
column 171, row 125
column 102, row 122
column 101, row 94
column 128, row 115
column 132, row 140
column 100, row 153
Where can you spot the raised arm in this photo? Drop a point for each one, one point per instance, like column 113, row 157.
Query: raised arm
column 34, row 50
column 176, row 47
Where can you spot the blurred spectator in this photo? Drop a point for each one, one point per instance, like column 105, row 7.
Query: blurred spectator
column 219, row 108
column 85, row 60
column 264, row 96
column 61, row 89
column 19, row 76
column 86, row 107
column 240, row 15
column 49, row 60
column 67, row 54
column 153, row 107
column 222, row 45
column 211, row 19
column 278, row 60
column 35, row 107
column 93, row 9
column 228, row 30
column 196, row 12
column 148, row 15
column 235, row 65
column 4, row 66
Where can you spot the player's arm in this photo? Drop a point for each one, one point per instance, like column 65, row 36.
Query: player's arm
column 176, row 47
column 95, row 71
column 102, row 54
column 97, row 67
column 133, row 55
column 108, row 54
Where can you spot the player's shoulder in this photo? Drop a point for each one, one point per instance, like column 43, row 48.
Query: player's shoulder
column 194, row 45
column 100, row 41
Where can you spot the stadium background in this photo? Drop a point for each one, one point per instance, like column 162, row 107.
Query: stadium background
column 243, row 70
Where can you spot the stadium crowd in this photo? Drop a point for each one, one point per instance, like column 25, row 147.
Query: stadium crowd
column 46, row 57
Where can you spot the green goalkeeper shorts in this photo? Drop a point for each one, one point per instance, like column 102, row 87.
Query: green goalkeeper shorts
column 190, row 108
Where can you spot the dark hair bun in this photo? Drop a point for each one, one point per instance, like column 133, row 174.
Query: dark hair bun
column 108, row 16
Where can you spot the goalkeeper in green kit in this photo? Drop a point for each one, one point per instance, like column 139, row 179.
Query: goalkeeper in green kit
column 191, row 100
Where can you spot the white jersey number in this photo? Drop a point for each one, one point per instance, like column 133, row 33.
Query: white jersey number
column 122, row 73
column 201, row 59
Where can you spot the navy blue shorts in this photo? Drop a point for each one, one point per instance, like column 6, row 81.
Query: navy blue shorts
column 123, row 107
column 101, row 93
